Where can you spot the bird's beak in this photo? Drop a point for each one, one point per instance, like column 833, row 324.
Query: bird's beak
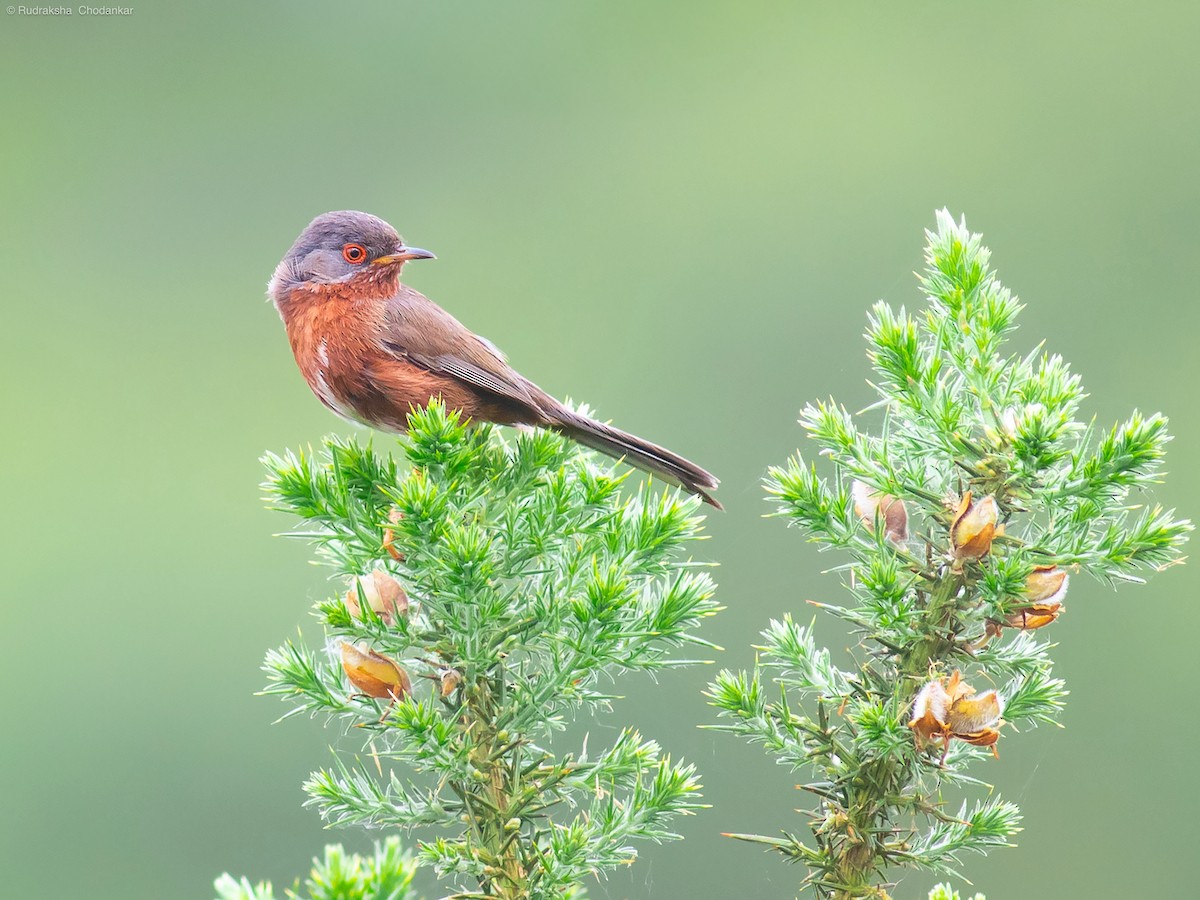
column 403, row 255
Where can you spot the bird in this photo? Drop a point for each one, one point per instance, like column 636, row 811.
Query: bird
column 372, row 349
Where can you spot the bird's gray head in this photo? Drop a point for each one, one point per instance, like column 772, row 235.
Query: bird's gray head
column 340, row 246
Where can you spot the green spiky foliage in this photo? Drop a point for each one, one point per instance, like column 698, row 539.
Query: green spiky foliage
column 385, row 875
column 940, row 581
column 530, row 583
column 946, row 892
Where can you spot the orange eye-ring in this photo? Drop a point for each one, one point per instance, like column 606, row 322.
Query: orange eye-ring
column 354, row 253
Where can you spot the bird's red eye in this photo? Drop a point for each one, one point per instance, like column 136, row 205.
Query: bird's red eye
column 354, row 253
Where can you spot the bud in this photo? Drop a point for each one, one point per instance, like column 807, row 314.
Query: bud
column 951, row 709
column 870, row 506
column 974, row 527
column 373, row 674
column 383, row 593
column 449, row 680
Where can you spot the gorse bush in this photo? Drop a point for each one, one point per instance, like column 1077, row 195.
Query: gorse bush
column 960, row 519
column 491, row 593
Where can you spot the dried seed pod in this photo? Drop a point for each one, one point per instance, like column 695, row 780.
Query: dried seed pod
column 383, row 593
column 929, row 712
column 389, row 536
column 972, row 713
column 870, row 506
column 1045, row 589
column 1032, row 618
column 946, row 709
column 987, row 737
column 374, row 674
column 974, row 527
column 1046, row 584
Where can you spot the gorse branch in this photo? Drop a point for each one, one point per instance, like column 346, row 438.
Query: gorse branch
column 962, row 512
column 492, row 591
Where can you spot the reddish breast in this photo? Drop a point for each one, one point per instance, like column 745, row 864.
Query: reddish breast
column 332, row 337
column 335, row 339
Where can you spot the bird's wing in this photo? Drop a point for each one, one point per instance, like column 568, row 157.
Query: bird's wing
column 419, row 331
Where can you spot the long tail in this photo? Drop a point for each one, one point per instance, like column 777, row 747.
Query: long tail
column 648, row 457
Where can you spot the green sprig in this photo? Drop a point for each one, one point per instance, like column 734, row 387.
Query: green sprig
column 385, row 875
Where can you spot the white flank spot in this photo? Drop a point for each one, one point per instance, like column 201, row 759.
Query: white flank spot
column 330, row 399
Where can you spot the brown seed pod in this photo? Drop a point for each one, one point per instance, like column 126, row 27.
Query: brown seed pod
column 929, row 712
column 946, row 709
column 1045, row 589
column 389, row 536
column 871, row 507
column 974, row 527
column 383, row 593
column 374, row 674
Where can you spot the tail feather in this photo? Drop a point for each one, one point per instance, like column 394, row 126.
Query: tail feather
column 636, row 451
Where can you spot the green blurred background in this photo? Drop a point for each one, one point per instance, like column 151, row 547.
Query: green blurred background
column 676, row 212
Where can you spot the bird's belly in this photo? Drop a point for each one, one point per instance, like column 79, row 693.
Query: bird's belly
column 401, row 386
column 326, row 394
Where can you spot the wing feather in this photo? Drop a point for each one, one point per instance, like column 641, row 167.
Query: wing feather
column 418, row 330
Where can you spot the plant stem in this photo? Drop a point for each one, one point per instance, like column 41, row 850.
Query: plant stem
column 499, row 783
column 939, row 615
